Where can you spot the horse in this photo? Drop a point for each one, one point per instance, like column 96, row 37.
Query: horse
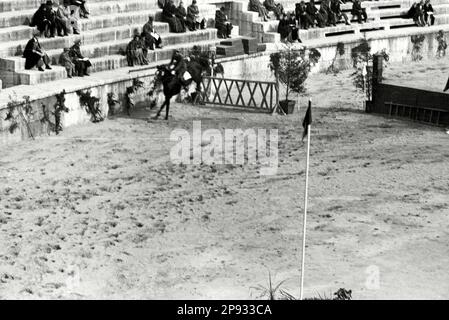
column 172, row 85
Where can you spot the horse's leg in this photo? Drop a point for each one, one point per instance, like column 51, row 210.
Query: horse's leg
column 197, row 92
column 162, row 107
column 167, row 110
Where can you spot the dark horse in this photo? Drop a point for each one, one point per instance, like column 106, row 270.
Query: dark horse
column 172, row 85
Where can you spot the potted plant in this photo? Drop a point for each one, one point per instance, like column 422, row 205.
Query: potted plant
column 291, row 68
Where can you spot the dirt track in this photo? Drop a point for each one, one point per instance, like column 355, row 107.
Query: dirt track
column 100, row 212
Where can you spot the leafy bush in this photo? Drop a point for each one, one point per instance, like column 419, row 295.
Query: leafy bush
column 91, row 104
column 442, row 44
column 417, row 41
column 19, row 113
column 292, row 68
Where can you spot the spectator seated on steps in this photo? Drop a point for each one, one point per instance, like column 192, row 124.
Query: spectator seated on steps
column 66, row 62
column 193, row 18
column 416, row 13
column 150, row 37
column 67, row 17
column 287, row 28
column 359, row 12
column 276, row 8
column 169, row 15
column 327, row 14
column 181, row 14
column 135, row 52
column 336, row 9
column 82, row 64
column 428, row 13
column 223, row 25
column 45, row 20
column 35, row 55
column 301, row 15
column 314, row 14
column 256, row 6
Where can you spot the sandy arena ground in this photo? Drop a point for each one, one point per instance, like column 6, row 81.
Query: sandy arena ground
column 100, row 212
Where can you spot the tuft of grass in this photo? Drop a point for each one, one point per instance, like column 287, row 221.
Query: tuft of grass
column 269, row 292
column 274, row 292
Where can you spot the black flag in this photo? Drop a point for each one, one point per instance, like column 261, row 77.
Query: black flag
column 447, row 86
column 307, row 120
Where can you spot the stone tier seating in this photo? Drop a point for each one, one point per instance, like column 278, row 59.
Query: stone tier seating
column 382, row 15
column 104, row 37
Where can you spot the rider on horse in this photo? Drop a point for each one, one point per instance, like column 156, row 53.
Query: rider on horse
column 178, row 67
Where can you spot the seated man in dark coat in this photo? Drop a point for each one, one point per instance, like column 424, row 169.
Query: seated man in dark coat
column 256, row 6
column 293, row 27
column 44, row 20
column 34, row 54
column 359, row 12
column 277, row 8
column 169, row 16
column 302, row 16
column 336, row 9
column 428, row 13
column 150, row 36
column 222, row 24
column 327, row 14
column 181, row 14
column 416, row 12
column 81, row 63
column 284, row 27
column 314, row 14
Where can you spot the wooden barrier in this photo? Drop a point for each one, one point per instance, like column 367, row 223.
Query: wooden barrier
column 263, row 95
column 420, row 105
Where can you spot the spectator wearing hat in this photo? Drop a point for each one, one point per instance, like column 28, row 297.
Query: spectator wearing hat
column 44, row 20
column 82, row 63
column 150, row 36
column 35, row 55
column 193, row 16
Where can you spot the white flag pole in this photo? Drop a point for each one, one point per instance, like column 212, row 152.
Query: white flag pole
column 301, row 294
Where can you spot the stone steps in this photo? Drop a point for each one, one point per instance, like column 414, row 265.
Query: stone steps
column 355, row 29
column 115, row 47
column 18, row 36
column 383, row 4
column 15, row 48
column 102, row 14
column 106, row 63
